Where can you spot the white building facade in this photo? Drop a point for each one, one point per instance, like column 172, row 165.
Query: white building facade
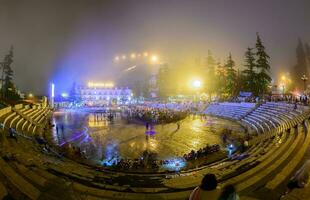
column 97, row 94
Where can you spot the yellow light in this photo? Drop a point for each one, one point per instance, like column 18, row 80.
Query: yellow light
column 154, row 58
column 133, row 55
column 30, row 95
column 124, row 57
column 196, row 84
column 145, row 54
column 100, row 84
column 283, row 78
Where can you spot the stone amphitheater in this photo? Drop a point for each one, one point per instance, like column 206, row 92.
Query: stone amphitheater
column 279, row 143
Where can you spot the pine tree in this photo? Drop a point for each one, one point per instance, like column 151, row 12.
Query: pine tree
column 300, row 68
column 8, row 87
column 210, row 72
column 74, row 93
column 7, row 74
column 249, row 73
column 163, row 81
column 230, row 87
column 307, row 51
column 220, row 78
column 263, row 67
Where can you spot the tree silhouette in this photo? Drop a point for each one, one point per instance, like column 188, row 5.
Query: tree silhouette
column 300, row 68
column 249, row 74
column 231, row 78
column 263, row 67
column 307, row 52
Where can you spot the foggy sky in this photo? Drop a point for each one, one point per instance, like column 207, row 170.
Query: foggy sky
column 67, row 40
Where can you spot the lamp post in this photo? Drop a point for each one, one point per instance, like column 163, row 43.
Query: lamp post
column 196, row 84
column 282, row 88
column 304, row 78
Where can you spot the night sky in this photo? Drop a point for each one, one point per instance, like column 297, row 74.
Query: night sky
column 66, row 40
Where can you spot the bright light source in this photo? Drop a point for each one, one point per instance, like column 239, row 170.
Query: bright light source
column 64, row 95
column 154, row 58
column 145, row 54
column 30, row 95
column 124, row 57
column 196, row 84
column 100, row 84
column 53, row 90
column 116, row 58
column 133, row 55
column 283, row 78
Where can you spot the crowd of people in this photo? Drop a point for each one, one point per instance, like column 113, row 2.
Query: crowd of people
column 149, row 160
column 155, row 115
column 208, row 149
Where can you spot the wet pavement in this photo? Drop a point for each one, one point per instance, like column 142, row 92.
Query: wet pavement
column 102, row 139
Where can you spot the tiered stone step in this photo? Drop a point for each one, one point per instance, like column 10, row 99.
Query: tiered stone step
column 3, row 191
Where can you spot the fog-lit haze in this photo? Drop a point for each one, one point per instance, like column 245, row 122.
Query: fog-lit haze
column 71, row 40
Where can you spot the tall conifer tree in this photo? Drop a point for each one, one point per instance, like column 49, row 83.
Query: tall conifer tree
column 300, row 68
column 263, row 67
column 230, row 87
column 249, row 73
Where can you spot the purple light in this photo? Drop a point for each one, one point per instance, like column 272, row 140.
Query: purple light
column 75, row 137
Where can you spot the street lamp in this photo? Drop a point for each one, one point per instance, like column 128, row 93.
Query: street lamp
column 196, row 84
column 283, row 88
column 154, row 59
column 283, row 77
column 116, row 58
column 133, row 55
column 304, row 78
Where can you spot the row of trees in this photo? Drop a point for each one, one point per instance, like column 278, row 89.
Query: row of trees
column 226, row 79
column 8, row 88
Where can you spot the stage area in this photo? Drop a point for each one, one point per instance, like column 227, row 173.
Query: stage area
column 102, row 140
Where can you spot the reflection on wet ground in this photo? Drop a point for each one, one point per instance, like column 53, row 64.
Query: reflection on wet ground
column 103, row 139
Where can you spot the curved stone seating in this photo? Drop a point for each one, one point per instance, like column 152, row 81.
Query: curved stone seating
column 267, row 157
column 8, row 118
column 230, row 110
column 258, row 155
column 18, row 181
column 3, row 191
column 282, row 116
column 256, row 174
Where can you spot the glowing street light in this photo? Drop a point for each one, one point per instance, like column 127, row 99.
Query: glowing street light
column 154, row 59
column 116, row 58
column 196, row 84
column 304, row 78
column 64, row 95
column 283, row 87
column 283, row 77
column 133, row 55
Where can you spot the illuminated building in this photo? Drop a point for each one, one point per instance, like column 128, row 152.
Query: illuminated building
column 96, row 94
